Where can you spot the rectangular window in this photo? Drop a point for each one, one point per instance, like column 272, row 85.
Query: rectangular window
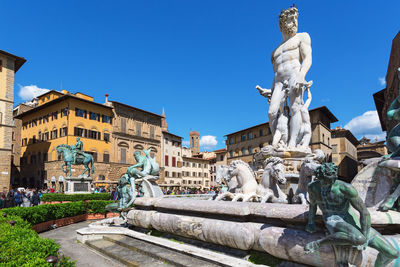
column 250, row 150
column 166, row 174
column 261, row 132
column 45, row 136
column 138, row 129
column 250, row 136
column 54, row 134
column 106, row 137
column 173, row 174
column 79, row 132
column 94, row 134
column 80, row 113
column 123, row 125
column 64, row 112
column 123, row 155
column 243, row 137
column 230, row 140
column 64, row 131
column 166, row 160
column 92, row 116
column 106, row 157
column 54, row 115
column 105, row 119
column 173, row 162
column 152, row 132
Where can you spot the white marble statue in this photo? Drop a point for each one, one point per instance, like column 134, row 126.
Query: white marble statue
column 306, row 176
column 247, row 188
column 274, row 174
column 245, row 178
column 291, row 62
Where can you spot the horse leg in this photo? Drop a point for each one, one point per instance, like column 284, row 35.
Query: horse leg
column 248, row 197
column 69, row 169
column 224, row 195
column 237, row 197
column 266, row 197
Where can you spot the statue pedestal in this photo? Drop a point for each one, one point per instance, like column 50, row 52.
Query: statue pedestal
column 78, row 185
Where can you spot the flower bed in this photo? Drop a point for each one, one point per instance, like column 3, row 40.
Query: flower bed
column 74, row 197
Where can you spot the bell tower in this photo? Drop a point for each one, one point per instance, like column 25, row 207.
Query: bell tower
column 194, row 142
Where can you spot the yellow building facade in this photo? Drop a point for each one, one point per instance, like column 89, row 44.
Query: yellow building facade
column 59, row 118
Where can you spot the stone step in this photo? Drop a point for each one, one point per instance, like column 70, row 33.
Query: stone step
column 124, row 255
column 159, row 253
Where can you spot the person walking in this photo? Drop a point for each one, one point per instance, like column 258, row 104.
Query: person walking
column 18, row 199
column 35, row 199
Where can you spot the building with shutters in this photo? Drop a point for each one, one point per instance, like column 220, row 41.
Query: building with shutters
column 59, row 118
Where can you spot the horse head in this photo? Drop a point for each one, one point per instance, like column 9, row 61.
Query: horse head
column 277, row 169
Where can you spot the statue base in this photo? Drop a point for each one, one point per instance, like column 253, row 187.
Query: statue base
column 78, row 185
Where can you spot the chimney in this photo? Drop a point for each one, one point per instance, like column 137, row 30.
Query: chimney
column 106, row 98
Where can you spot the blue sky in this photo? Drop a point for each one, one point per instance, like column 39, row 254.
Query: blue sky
column 201, row 60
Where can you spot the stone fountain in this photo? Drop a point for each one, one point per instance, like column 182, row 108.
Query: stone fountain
column 335, row 223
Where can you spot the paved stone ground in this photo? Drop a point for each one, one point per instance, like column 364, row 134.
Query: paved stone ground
column 83, row 255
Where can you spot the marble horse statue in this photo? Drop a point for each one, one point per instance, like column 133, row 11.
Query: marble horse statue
column 70, row 158
column 231, row 185
column 274, row 174
column 247, row 187
column 306, row 176
column 247, row 184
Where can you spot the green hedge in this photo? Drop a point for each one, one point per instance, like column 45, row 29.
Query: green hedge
column 21, row 246
column 97, row 206
column 75, row 197
column 48, row 212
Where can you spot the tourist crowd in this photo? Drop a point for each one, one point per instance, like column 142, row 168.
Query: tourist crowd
column 20, row 198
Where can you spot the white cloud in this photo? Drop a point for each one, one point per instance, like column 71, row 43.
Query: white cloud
column 28, row 92
column 367, row 125
column 382, row 81
column 208, row 141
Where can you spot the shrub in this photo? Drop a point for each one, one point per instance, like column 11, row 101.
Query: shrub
column 48, row 212
column 75, row 197
column 21, row 246
column 97, row 206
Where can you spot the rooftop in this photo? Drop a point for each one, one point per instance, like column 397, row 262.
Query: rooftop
column 19, row 61
column 57, row 100
column 131, row 107
column 341, row 132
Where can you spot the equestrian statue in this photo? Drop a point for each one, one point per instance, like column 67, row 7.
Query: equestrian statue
column 74, row 155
